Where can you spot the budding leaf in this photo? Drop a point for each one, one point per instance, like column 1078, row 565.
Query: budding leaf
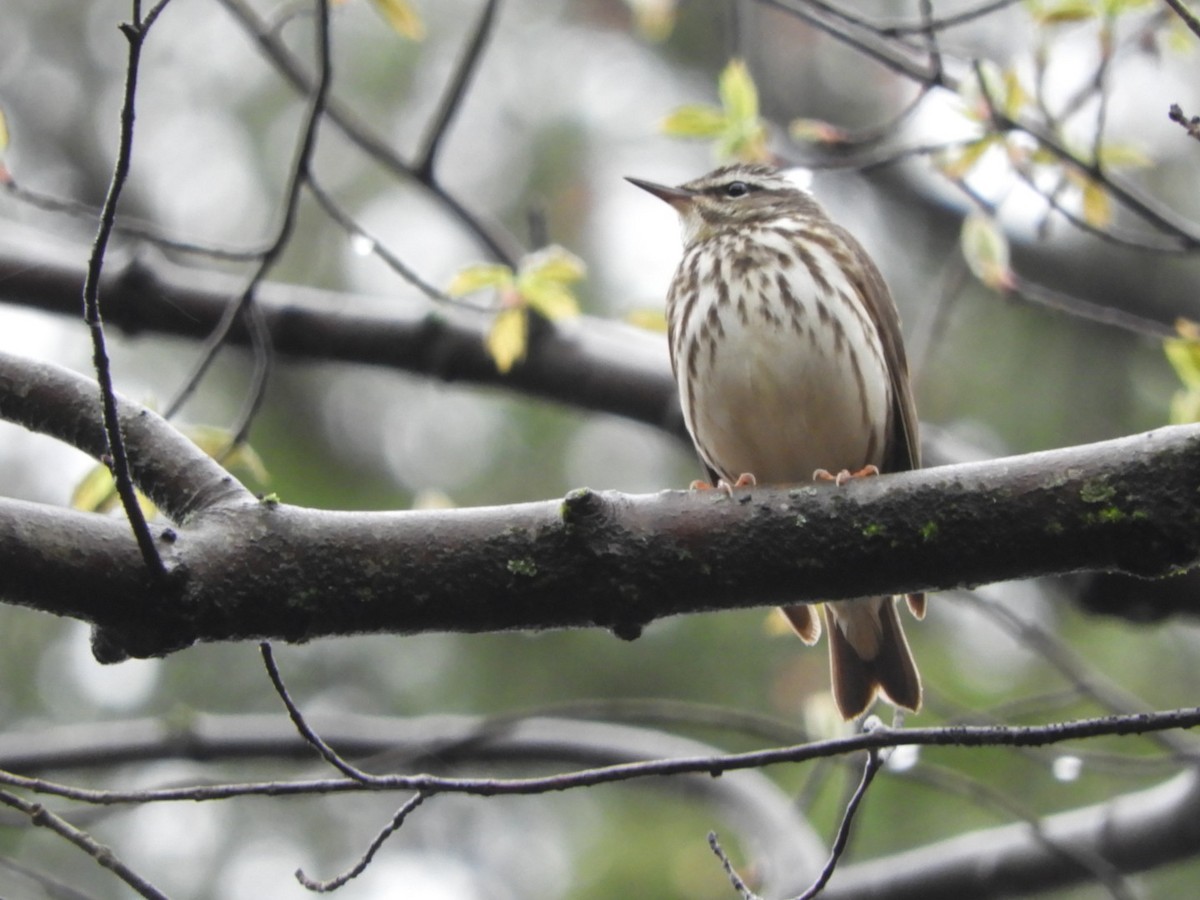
column 1183, row 353
column 1015, row 96
column 402, row 17
column 506, row 340
column 985, row 249
column 477, row 277
column 1124, row 156
column 97, row 492
column 1097, row 207
column 737, row 91
column 544, row 279
column 816, row 131
column 650, row 319
column 554, row 263
column 694, row 121
column 240, row 459
column 958, row 164
column 736, row 126
column 1062, row 11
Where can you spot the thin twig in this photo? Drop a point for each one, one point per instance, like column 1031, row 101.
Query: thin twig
column 1189, row 17
column 455, row 92
column 950, row 736
column 727, row 864
column 931, row 24
column 129, row 229
column 498, row 243
column 244, row 307
column 43, row 818
column 390, row 259
column 365, row 860
column 330, row 755
column 1090, row 682
column 870, row 42
column 1191, row 124
column 870, row 769
column 135, row 33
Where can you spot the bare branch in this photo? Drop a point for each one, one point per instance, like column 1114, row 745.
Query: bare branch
column 870, row 770
column 1189, row 18
column 302, row 727
column 135, row 34
column 360, row 866
column 455, row 92
column 267, row 570
column 245, row 306
column 1132, row 832
column 591, row 363
column 497, row 243
column 42, row 817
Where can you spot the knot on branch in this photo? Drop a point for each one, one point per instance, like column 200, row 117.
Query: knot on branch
column 591, row 520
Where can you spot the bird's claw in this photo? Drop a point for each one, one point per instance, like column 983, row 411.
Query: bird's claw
column 845, row 474
column 744, row 480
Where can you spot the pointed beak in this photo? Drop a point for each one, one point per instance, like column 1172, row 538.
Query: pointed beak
column 679, row 198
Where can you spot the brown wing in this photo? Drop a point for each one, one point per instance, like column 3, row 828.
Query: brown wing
column 904, row 444
column 904, row 449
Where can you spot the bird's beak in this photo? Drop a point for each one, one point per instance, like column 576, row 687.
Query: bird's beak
column 679, row 198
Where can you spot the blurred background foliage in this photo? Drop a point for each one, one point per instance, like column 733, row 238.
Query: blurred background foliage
column 569, row 97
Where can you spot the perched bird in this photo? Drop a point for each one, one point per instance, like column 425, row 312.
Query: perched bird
column 787, row 351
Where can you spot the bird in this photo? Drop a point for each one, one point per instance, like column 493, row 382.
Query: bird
column 787, row 351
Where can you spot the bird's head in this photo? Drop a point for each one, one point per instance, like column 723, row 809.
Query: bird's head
column 731, row 198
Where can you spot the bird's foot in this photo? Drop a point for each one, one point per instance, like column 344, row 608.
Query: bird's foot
column 844, row 475
column 743, row 480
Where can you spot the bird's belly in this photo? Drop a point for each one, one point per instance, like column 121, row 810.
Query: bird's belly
column 779, row 402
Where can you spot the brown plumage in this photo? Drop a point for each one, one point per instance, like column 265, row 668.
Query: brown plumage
column 787, row 350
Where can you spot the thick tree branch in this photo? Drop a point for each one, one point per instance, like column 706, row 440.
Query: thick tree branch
column 242, row 569
column 1133, row 832
column 591, row 364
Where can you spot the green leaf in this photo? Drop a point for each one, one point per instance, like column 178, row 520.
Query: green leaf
column 1183, row 353
column 402, row 17
column 554, row 263
column 750, row 146
column 958, row 164
column 1062, row 12
column 1119, row 7
column 3, row 131
column 543, row 279
column 477, row 277
column 738, row 93
column 97, row 492
column 1015, row 96
column 985, row 249
column 650, row 319
column 506, row 340
column 694, row 121
column 1097, row 207
column 242, row 459
column 551, row 299
column 1124, row 156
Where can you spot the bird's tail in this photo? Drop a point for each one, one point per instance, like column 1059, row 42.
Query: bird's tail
column 869, row 654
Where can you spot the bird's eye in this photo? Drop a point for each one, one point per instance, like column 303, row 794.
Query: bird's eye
column 737, row 189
